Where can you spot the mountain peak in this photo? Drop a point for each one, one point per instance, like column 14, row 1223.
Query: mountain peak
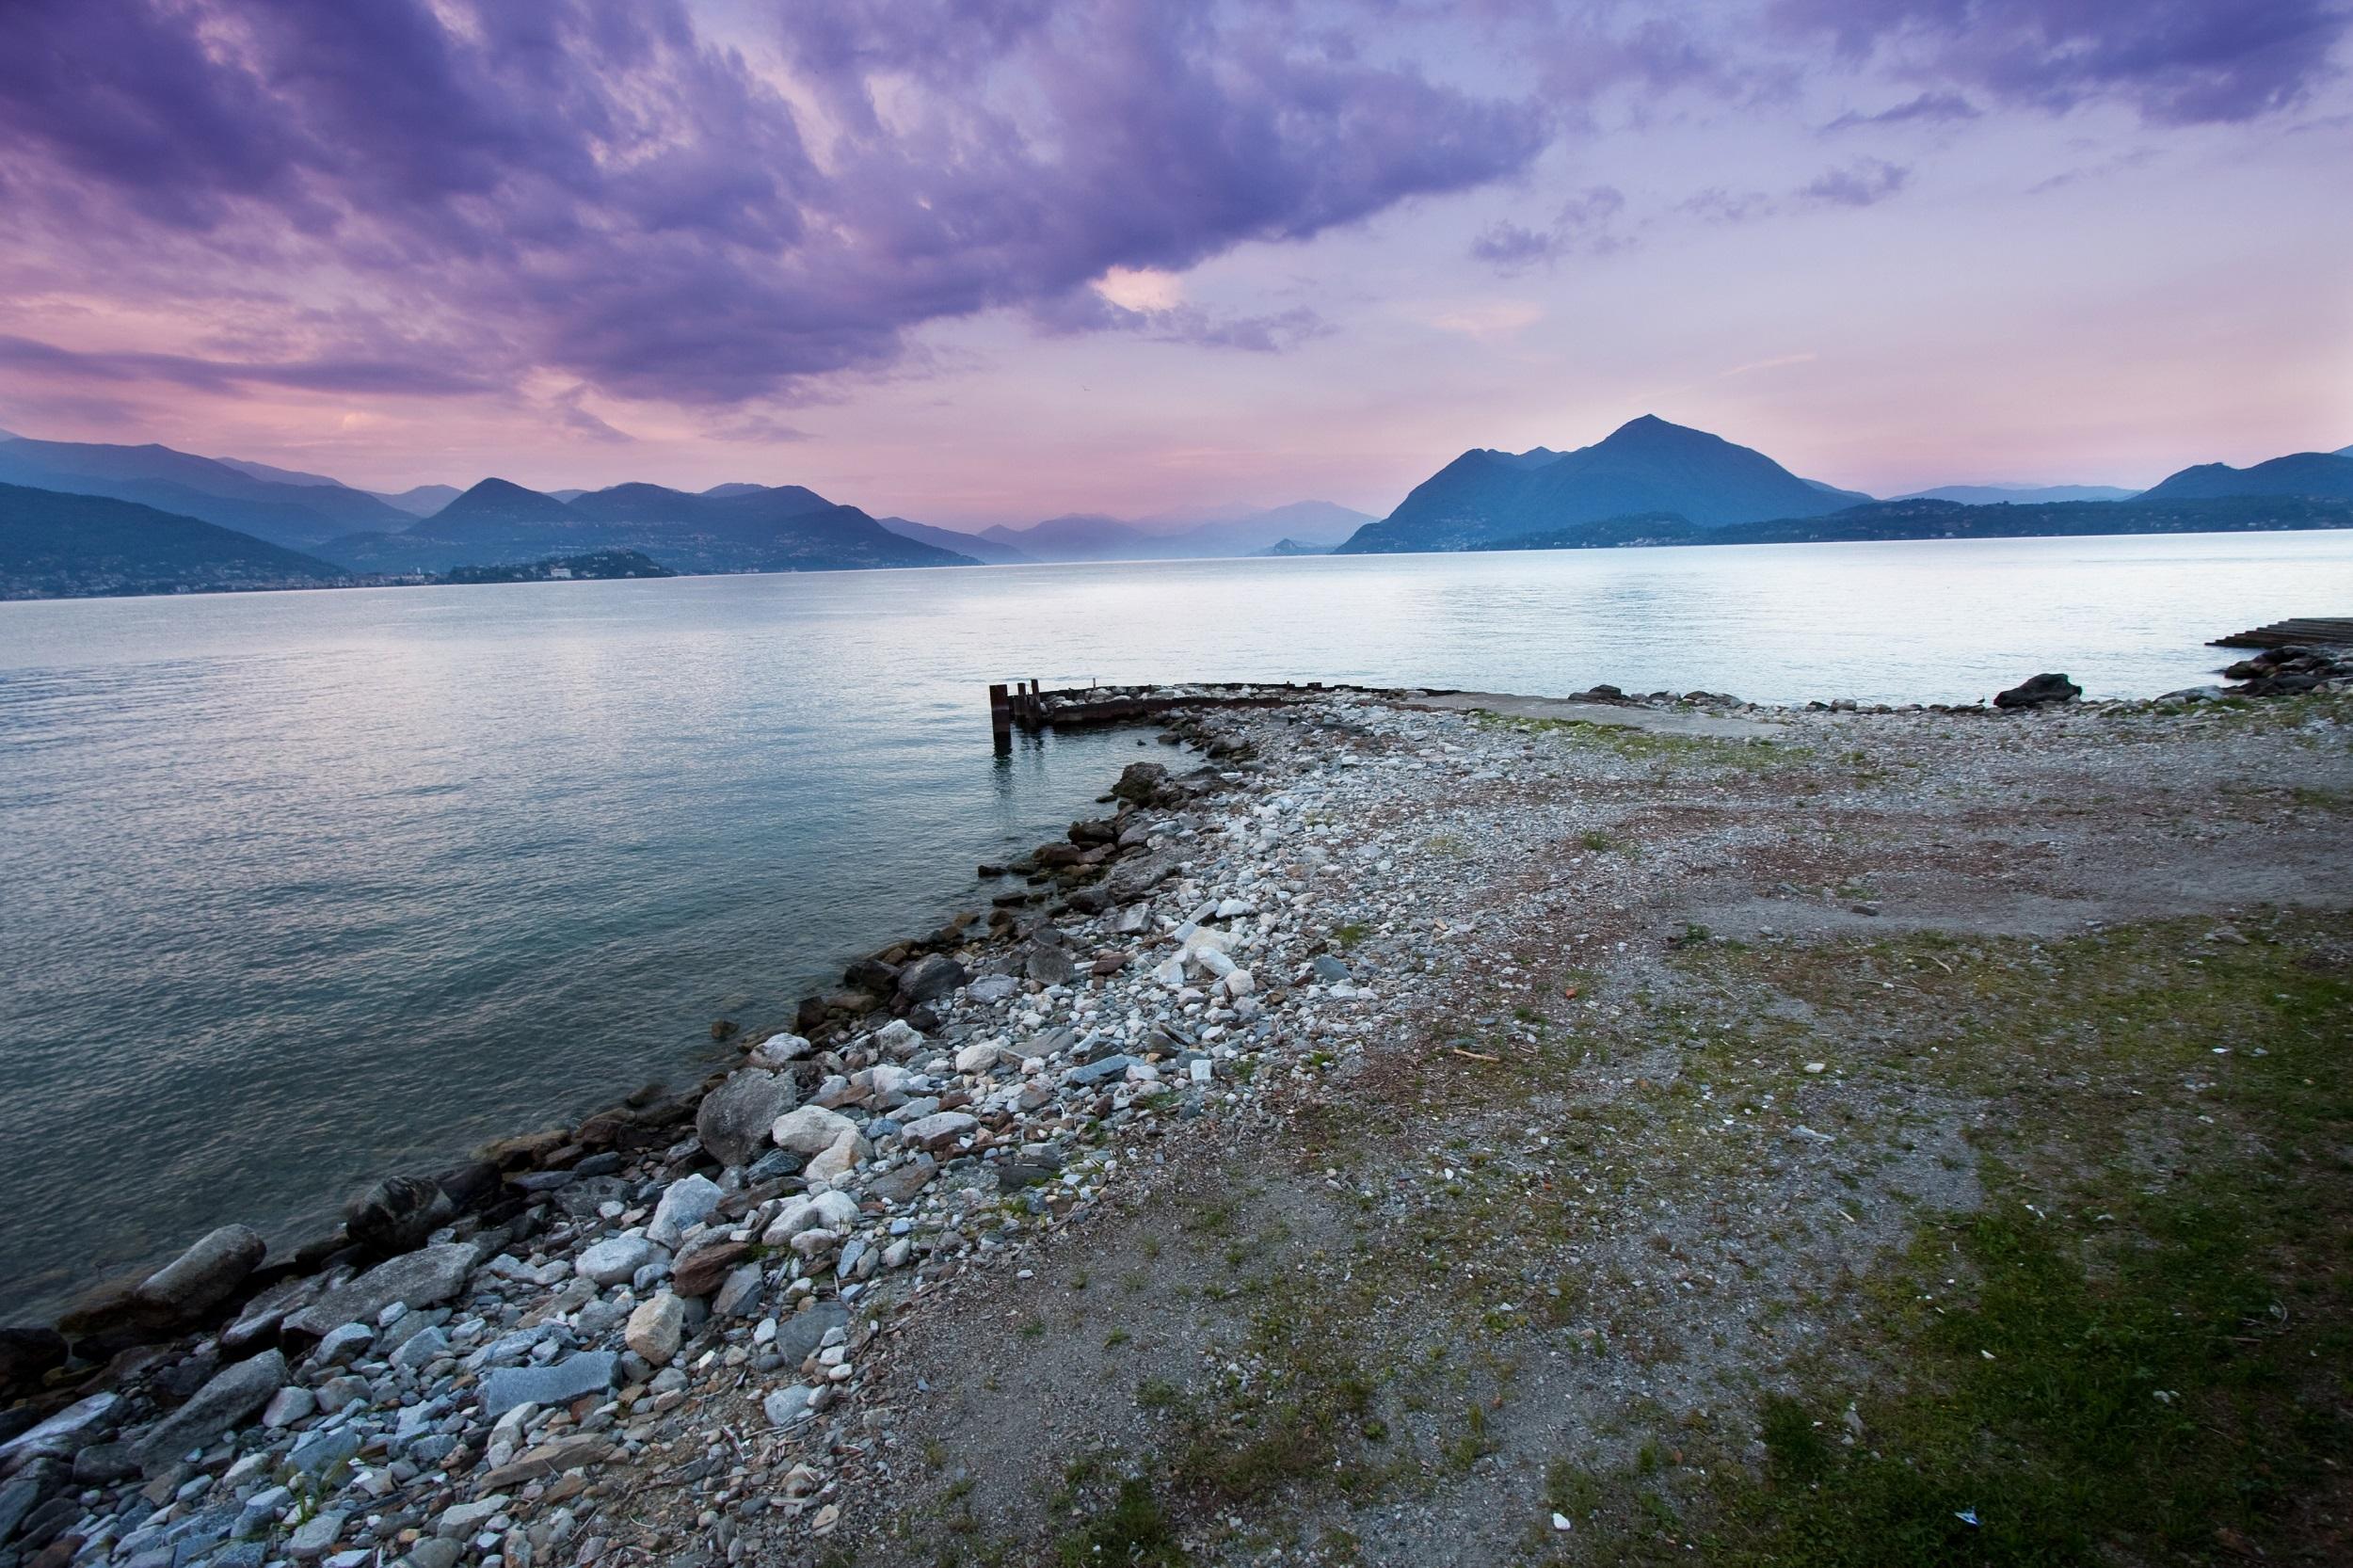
column 502, row 498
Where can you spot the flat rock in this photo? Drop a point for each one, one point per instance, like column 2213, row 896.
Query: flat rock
column 557, row 1383
column 799, row 1335
column 940, row 1129
column 77, row 1425
column 700, row 1268
column 207, row 1273
column 617, row 1258
column 232, row 1394
column 549, row 1458
column 420, row 1278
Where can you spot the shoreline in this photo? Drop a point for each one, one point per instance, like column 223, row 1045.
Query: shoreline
column 904, row 1135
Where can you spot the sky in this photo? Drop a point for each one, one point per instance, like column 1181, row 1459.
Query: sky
column 979, row 261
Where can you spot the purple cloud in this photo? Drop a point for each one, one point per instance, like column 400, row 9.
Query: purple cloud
column 595, row 186
column 1582, row 226
column 1864, row 183
column 2177, row 61
column 1930, row 107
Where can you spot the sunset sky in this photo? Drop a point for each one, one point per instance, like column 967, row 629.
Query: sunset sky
column 975, row 261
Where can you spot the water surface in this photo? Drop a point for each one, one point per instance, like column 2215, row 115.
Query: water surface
column 299, row 888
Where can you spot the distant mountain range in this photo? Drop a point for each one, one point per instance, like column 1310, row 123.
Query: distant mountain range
column 81, row 518
column 1173, row 535
column 1650, row 482
column 57, row 545
column 781, row 528
column 1644, row 466
column 2321, row 474
column 2019, row 495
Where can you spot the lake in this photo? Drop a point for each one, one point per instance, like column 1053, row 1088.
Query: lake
column 298, row 889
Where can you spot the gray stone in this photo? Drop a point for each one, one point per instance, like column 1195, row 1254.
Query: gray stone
column 612, row 1261
column 1330, row 970
column 76, row 1426
column 1109, row 1069
column 940, row 1129
column 16, row 1501
column 685, row 1204
column 290, row 1404
column 232, row 1394
column 207, row 1274
column 787, row 1405
column 436, row 1551
column 258, row 1319
column 318, row 1453
column 798, row 1336
column 1047, row 964
column 558, row 1382
column 397, row 1213
column 314, row 1536
column 930, row 978
column 239, row 1554
column 416, row 1279
column 739, row 1292
column 734, row 1118
column 774, row 1166
column 420, row 1349
column 261, row 1511
column 342, row 1343
column 2038, row 691
column 993, row 988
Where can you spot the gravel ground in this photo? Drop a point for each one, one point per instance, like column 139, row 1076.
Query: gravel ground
column 1420, row 1114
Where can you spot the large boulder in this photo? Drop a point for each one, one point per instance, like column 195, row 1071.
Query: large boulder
column 205, row 1275
column 421, row 1278
column 734, row 1118
column 233, row 1394
column 396, row 1214
column 1141, row 783
column 930, row 978
column 2041, row 691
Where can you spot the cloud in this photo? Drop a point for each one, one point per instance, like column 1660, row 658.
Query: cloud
column 582, row 422
column 2177, row 62
column 753, row 425
column 597, row 188
column 353, row 373
column 1864, row 183
column 1718, row 205
column 1930, row 107
column 1583, row 226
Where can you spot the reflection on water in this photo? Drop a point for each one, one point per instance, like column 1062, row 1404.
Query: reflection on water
column 296, row 889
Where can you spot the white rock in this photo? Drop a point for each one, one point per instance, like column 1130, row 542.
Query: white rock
column 778, row 1049
column 656, row 1327
column 811, row 1130
column 610, row 1262
column 685, row 1204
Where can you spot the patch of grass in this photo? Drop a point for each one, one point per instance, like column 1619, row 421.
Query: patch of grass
column 1134, row 1529
column 1346, row 937
column 2139, row 1348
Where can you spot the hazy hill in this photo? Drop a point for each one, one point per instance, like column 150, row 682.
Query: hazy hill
column 1179, row 536
column 421, row 501
column 1995, row 495
column 1646, row 465
column 988, row 551
column 781, row 528
column 296, row 515
column 2316, row 473
column 57, row 544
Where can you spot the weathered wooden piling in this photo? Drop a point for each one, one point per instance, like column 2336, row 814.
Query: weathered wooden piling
column 1000, row 717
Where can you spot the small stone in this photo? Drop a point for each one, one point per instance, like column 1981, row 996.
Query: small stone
column 557, row 1383
column 656, row 1327
column 938, row 1130
column 290, row 1404
column 312, row 1538
column 612, row 1261
column 787, row 1405
column 344, row 1343
column 685, row 1204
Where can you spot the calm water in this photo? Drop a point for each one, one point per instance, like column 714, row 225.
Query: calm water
column 299, row 889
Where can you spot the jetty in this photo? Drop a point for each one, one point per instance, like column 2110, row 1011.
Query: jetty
column 2331, row 630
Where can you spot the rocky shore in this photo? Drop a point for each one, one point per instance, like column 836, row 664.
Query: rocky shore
column 774, row 1318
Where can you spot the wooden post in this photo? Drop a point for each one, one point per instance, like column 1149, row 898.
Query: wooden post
column 999, row 718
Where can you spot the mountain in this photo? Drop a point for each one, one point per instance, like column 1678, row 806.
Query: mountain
column 421, row 500
column 1179, row 536
column 1995, row 495
column 278, row 476
column 721, row 492
column 1292, row 547
column 299, row 516
column 988, row 551
column 1952, row 519
column 2313, row 474
column 57, row 544
column 779, row 528
column 1646, row 465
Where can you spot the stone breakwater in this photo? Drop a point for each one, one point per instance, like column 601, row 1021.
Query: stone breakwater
column 658, row 1331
